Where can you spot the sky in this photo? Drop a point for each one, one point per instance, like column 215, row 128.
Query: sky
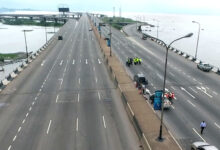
column 198, row 7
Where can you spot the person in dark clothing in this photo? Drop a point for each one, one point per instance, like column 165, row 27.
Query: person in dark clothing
column 202, row 126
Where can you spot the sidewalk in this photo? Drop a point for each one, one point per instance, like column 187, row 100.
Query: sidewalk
column 145, row 121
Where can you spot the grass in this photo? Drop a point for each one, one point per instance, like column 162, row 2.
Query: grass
column 8, row 56
column 118, row 22
column 29, row 22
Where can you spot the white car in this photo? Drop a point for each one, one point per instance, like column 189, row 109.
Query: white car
column 202, row 146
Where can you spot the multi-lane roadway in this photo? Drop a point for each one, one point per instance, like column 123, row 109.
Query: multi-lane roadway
column 65, row 100
column 196, row 92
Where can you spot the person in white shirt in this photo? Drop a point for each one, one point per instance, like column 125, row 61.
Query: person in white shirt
column 202, row 126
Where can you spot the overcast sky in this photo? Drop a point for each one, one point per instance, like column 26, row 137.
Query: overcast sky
column 206, row 7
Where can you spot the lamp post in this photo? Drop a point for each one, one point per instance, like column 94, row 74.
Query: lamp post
column 110, row 34
column 26, row 41
column 197, row 38
column 164, row 82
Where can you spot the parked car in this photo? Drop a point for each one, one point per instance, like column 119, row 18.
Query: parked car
column 140, row 80
column 204, row 67
column 60, row 37
column 202, row 146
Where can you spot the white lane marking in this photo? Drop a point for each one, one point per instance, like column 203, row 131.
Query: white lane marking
column 33, row 103
column 48, row 128
column 198, row 134
column 172, row 106
column 191, row 103
column 203, row 89
column 65, row 70
column 57, row 98
column 151, row 84
column 40, row 90
column 35, row 98
column 9, row 147
column 27, row 114
column 175, row 98
column 166, row 89
column 99, row 61
column 99, row 96
column 187, row 92
column 103, row 119
column 86, row 61
column 14, row 138
column 93, row 68
column 147, row 142
column 175, row 140
column 61, row 62
column 61, row 83
column 73, row 61
column 19, row 129
column 130, row 109
column 217, row 125
column 188, row 76
column 173, row 88
column 96, row 80
column 80, row 61
column 78, row 97
column 42, row 86
column 215, row 93
column 42, row 63
column 23, row 121
column 30, row 108
column 79, row 80
column 172, row 74
column 193, row 90
column 77, row 124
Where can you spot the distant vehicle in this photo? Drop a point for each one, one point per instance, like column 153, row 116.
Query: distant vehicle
column 204, row 67
column 140, row 80
column 60, row 37
column 202, row 146
column 90, row 29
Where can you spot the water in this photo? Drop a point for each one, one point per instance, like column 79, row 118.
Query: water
column 12, row 40
column 172, row 26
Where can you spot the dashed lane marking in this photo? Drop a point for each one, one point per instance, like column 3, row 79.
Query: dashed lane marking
column 73, row 61
column 9, row 148
column 14, row 138
column 48, row 128
column 57, row 98
column 215, row 93
column 86, row 61
column 99, row 96
column 27, row 115
column 79, row 80
column 23, row 121
column 77, row 124
column 61, row 62
column 30, row 108
column 191, row 103
column 198, row 134
column 103, row 119
column 19, row 129
column 78, row 97
column 217, row 125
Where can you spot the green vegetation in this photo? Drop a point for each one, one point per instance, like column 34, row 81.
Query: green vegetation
column 29, row 22
column 10, row 56
column 118, row 22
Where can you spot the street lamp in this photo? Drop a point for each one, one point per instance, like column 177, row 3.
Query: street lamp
column 197, row 38
column 110, row 34
column 164, row 82
column 26, row 41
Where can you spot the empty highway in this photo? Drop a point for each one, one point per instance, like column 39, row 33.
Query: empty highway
column 65, row 100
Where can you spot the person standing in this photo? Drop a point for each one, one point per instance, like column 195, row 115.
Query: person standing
column 202, row 126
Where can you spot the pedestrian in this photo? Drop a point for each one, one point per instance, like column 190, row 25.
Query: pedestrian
column 202, row 126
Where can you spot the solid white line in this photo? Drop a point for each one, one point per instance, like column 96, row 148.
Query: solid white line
column 77, row 124
column 191, row 103
column 99, row 96
column 130, row 109
column 78, row 98
column 57, row 98
column 19, row 129
column 49, row 127
column 27, row 114
column 9, row 147
column 79, row 80
column 61, row 62
column 187, row 92
column 175, row 140
column 147, row 142
column 103, row 119
column 23, row 121
column 217, row 125
column 198, row 134
column 73, row 61
column 193, row 90
column 14, row 138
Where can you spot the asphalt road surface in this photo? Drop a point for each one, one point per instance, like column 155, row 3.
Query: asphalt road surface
column 196, row 92
column 65, row 100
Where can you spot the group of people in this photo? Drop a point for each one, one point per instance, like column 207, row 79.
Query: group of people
column 134, row 60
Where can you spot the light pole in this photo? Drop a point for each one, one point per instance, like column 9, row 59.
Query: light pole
column 164, row 82
column 197, row 38
column 110, row 34
column 26, row 41
column 157, row 26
